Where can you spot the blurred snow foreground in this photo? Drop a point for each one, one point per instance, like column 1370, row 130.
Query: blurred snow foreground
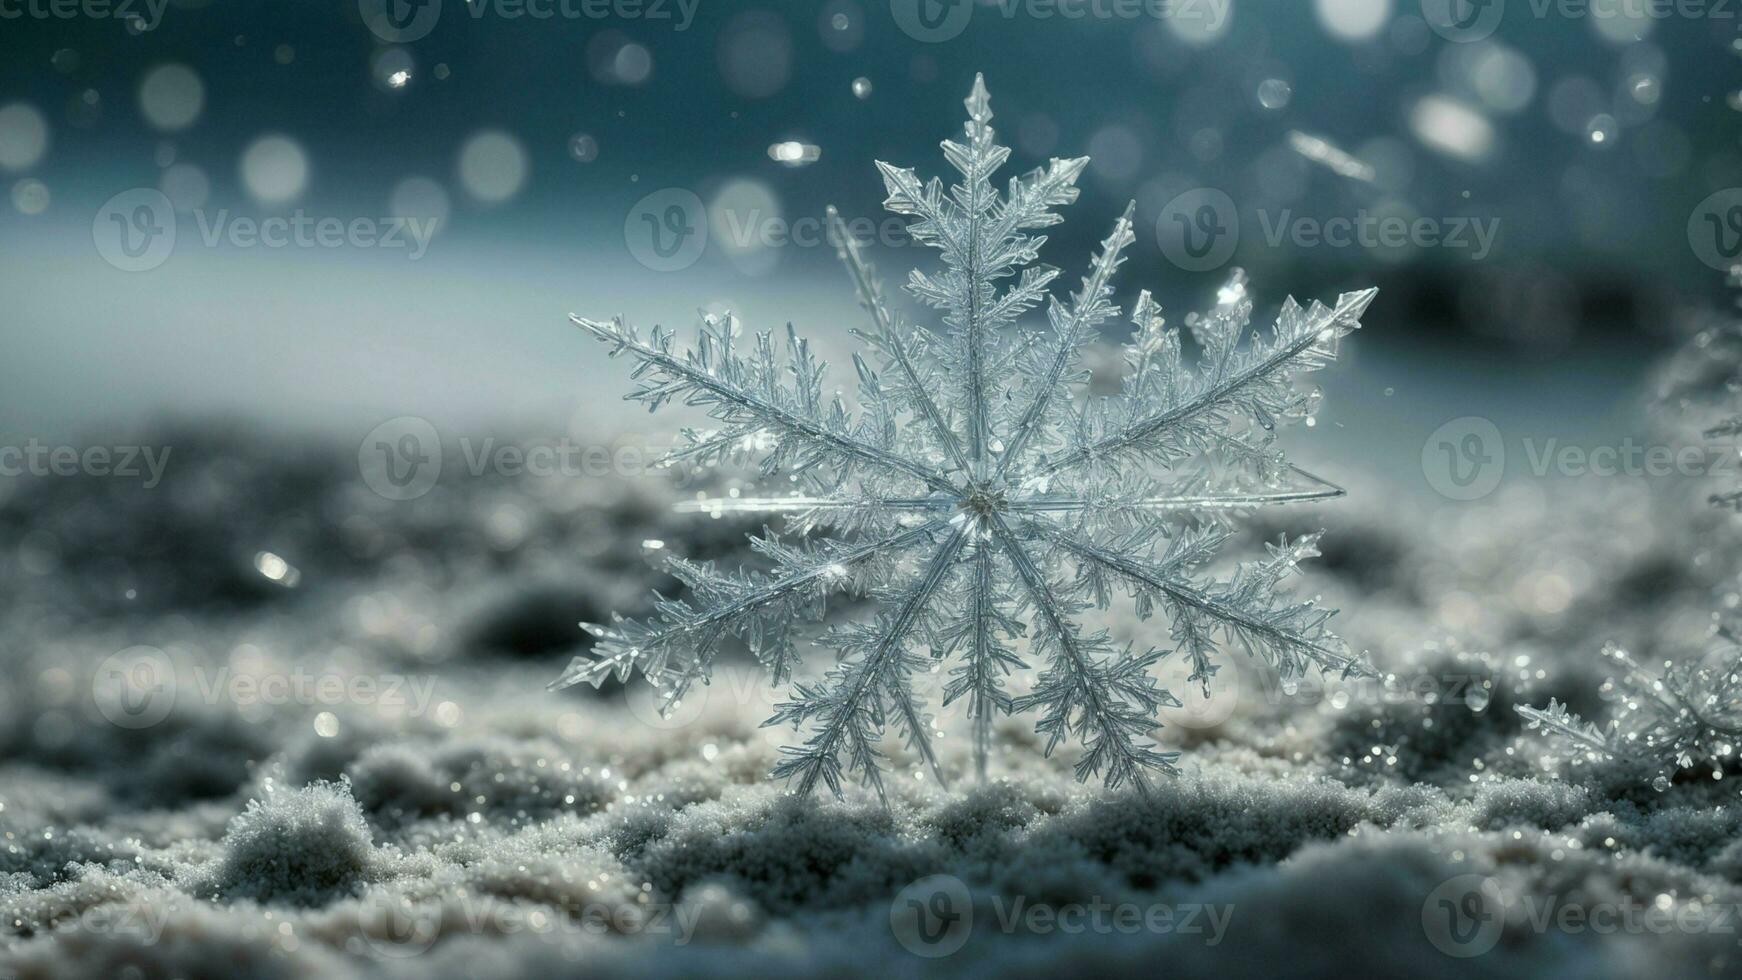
column 196, row 810
column 983, row 495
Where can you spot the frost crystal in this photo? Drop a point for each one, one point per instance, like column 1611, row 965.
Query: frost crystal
column 1685, row 715
column 1675, row 719
column 983, row 497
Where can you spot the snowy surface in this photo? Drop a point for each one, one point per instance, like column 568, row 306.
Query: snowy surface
column 350, row 765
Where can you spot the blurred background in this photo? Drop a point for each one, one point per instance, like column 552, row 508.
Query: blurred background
column 1539, row 189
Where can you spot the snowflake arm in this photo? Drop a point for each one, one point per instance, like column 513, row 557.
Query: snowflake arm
column 747, row 395
column 1256, row 380
column 1071, row 328
column 1187, row 500
column 1673, row 719
column 983, row 238
column 980, row 675
column 1289, row 637
column 890, row 340
column 1110, row 706
column 1556, row 720
column 737, row 603
column 870, row 683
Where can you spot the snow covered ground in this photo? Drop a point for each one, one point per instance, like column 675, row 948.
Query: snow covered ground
column 259, row 720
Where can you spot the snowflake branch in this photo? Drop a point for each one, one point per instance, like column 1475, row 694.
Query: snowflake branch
column 851, row 707
column 1088, row 308
column 888, row 337
column 976, row 162
column 628, row 645
column 1319, row 489
column 1306, row 340
column 980, row 676
column 798, row 504
column 691, row 376
column 1094, row 693
column 1283, row 635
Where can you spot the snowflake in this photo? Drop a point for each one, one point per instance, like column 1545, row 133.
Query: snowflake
column 1674, row 719
column 983, row 497
column 1686, row 714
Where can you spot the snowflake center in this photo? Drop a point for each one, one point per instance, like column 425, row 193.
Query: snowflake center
column 982, row 501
